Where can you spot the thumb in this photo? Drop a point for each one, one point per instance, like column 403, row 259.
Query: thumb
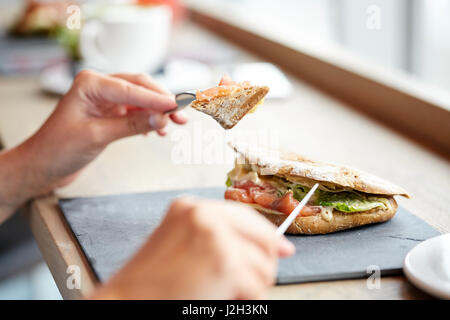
column 285, row 248
column 132, row 124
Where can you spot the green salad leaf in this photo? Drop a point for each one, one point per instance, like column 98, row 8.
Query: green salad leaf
column 299, row 191
column 349, row 201
column 283, row 186
column 344, row 201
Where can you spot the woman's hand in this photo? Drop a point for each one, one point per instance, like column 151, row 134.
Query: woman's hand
column 97, row 110
column 203, row 250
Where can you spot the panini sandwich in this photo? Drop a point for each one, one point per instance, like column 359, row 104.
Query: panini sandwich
column 274, row 185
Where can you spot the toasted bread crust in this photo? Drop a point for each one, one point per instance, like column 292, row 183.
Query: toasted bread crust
column 340, row 221
column 305, row 171
column 229, row 110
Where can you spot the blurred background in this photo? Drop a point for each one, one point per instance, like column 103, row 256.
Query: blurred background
column 53, row 40
column 408, row 35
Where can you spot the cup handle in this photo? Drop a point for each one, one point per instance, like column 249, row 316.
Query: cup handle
column 89, row 45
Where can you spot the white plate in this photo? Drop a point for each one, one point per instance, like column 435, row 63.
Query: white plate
column 427, row 266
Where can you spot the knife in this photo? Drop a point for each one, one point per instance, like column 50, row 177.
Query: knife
column 287, row 222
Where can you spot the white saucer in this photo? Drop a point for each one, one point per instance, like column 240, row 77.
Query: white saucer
column 427, row 266
column 56, row 79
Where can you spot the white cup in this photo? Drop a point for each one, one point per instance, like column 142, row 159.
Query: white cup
column 126, row 38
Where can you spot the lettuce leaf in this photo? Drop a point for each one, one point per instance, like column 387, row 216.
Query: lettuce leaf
column 299, row 191
column 349, row 201
column 344, row 201
column 283, row 186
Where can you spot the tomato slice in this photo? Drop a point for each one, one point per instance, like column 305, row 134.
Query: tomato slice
column 236, row 194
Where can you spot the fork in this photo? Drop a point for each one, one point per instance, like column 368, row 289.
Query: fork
column 183, row 99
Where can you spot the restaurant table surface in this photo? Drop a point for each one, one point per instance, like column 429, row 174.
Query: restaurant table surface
column 309, row 122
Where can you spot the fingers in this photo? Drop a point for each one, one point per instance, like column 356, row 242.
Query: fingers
column 253, row 226
column 285, row 248
column 162, row 132
column 243, row 260
column 107, row 130
column 128, row 126
column 132, row 124
column 181, row 204
column 123, row 94
column 250, row 286
column 158, row 121
column 143, row 79
column 262, row 232
column 120, row 91
column 250, row 225
column 117, row 111
column 137, row 122
column 148, row 82
column 261, row 265
column 179, row 117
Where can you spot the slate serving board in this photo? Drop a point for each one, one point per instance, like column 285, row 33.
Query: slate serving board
column 110, row 229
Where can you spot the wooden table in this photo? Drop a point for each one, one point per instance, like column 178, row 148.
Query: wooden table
column 309, row 122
